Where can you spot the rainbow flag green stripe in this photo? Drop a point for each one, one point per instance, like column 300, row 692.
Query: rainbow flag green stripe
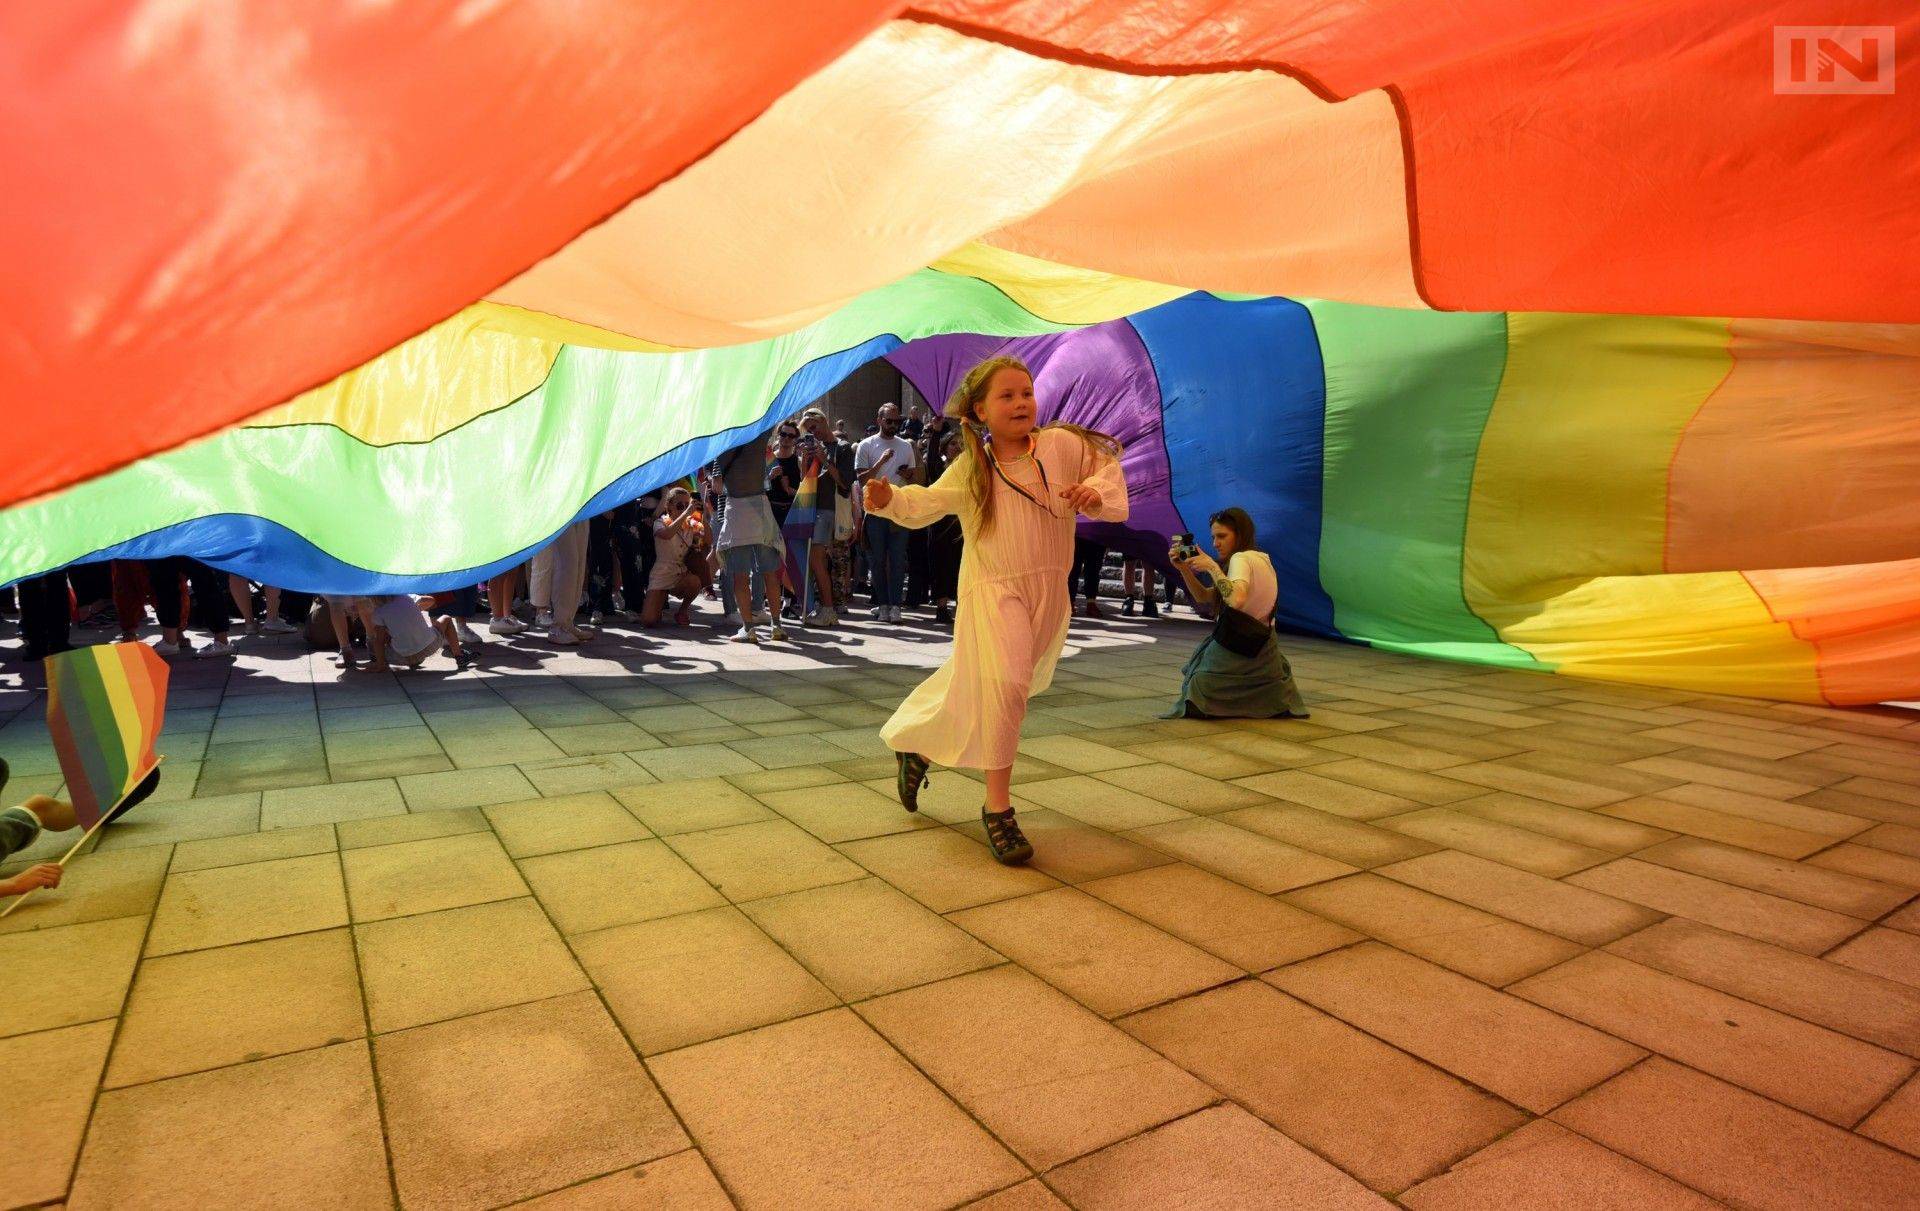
column 105, row 707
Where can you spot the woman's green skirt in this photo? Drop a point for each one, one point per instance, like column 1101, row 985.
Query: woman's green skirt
column 1218, row 684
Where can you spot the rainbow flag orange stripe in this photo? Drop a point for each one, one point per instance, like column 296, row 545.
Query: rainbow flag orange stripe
column 105, row 707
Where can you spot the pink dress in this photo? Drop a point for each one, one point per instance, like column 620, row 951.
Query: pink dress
column 1013, row 607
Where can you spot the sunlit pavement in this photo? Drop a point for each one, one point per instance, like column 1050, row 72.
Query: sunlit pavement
column 642, row 924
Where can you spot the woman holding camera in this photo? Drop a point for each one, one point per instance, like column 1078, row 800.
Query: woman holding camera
column 1238, row 671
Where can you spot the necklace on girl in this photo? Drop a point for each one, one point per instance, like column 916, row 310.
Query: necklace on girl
column 1043, row 502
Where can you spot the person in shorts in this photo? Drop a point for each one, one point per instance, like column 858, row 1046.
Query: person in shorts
column 831, row 566
column 749, row 540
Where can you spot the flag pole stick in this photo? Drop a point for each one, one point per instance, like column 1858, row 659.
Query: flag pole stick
column 84, row 838
column 806, row 584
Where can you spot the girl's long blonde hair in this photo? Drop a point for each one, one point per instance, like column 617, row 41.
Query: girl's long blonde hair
column 964, row 406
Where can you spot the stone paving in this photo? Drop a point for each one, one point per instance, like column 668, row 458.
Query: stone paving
column 641, row 925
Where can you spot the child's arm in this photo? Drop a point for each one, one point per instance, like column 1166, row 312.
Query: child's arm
column 916, row 507
column 1101, row 493
column 46, row 874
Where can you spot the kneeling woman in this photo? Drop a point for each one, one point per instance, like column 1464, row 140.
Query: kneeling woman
column 1238, row 671
column 1016, row 494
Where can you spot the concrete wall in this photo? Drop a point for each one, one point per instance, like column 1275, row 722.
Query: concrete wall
column 859, row 396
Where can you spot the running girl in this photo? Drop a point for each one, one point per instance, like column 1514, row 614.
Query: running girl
column 1017, row 494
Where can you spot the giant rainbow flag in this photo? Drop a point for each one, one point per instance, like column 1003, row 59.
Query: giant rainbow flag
column 1576, row 336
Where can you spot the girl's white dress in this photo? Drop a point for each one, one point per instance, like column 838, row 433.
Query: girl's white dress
column 1013, row 606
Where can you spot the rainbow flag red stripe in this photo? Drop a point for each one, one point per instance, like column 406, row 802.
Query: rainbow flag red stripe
column 105, row 707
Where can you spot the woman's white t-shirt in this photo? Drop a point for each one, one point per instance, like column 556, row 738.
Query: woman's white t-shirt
column 1259, row 585
column 411, row 635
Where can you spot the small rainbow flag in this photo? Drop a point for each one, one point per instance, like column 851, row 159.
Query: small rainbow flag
column 105, row 705
column 798, row 531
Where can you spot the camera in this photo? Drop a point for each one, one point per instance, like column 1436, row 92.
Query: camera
column 1183, row 546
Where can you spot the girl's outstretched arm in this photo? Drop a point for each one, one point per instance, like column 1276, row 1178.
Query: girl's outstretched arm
column 915, row 507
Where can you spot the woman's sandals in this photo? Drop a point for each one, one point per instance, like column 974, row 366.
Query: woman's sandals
column 1010, row 846
column 910, row 778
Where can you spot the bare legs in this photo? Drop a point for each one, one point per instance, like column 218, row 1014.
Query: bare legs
column 822, row 566
column 687, row 589
column 743, row 598
column 1000, row 789
column 337, row 615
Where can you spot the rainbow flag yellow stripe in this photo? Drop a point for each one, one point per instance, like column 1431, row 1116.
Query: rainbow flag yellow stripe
column 105, row 707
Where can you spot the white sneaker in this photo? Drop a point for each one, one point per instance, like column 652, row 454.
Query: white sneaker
column 216, row 648
column 466, row 633
column 893, row 613
column 583, row 633
column 565, row 638
column 170, row 649
column 543, row 619
column 278, row 626
column 778, row 634
column 823, row 618
column 506, row 626
column 745, row 635
column 761, row 618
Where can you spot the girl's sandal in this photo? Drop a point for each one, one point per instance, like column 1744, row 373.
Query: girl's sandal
column 911, row 777
column 1010, row 846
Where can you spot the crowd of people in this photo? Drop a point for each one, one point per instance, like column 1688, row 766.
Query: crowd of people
column 974, row 513
column 721, row 538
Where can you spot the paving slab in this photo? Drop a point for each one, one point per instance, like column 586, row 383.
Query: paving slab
column 1375, row 1111
column 278, row 1129
column 685, row 979
column 1543, row 1165
column 1737, row 1146
column 1109, row 961
column 1805, row 1066
column 1532, row 1058
column 500, row 1106
column 1063, row 1084
column 809, row 1113
column 1489, row 948
column 1223, row 1157
column 209, row 1008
